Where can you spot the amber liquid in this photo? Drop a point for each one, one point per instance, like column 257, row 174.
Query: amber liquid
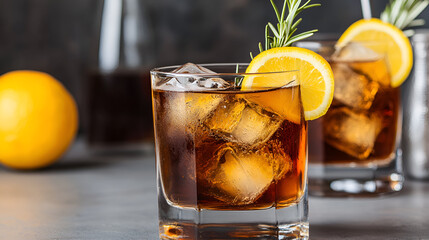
column 191, row 153
column 386, row 105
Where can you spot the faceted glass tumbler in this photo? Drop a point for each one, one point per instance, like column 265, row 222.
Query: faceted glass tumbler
column 231, row 162
column 354, row 150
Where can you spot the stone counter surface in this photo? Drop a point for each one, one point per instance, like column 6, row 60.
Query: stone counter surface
column 114, row 198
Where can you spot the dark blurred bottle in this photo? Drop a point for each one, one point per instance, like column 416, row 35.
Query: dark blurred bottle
column 119, row 110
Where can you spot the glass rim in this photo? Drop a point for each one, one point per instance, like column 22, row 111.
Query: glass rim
column 162, row 71
column 381, row 48
column 334, row 42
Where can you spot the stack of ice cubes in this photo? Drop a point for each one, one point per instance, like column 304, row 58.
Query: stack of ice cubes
column 244, row 167
column 359, row 74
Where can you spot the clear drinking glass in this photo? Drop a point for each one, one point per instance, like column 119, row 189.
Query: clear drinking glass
column 354, row 149
column 231, row 162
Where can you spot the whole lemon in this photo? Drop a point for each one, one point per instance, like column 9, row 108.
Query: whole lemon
column 38, row 119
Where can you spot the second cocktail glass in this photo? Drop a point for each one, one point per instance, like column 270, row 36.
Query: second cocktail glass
column 354, row 149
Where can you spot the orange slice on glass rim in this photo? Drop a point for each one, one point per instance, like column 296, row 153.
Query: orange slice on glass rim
column 316, row 79
column 399, row 51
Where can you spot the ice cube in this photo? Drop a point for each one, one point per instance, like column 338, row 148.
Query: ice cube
column 353, row 89
column 227, row 115
column 351, row 132
column 188, row 109
column 375, row 70
column 354, row 51
column 192, row 68
column 184, row 81
column 365, row 61
column 240, row 177
column 186, row 104
column 256, row 126
column 193, row 81
column 237, row 120
column 202, row 83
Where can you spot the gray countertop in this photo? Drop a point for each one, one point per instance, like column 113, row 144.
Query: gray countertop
column 114, row 197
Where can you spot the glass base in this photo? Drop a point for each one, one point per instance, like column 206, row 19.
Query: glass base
column 184, row 223
column 346, row 181
column 354, row 188
column 233, row 231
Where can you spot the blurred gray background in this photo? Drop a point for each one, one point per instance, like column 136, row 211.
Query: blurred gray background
column 60, row 36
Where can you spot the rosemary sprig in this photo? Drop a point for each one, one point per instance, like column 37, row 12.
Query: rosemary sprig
column 403, row 14
column 238, row 80
column 283, row 32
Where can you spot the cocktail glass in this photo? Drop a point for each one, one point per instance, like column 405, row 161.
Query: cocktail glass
column 231, row 163
column 354, row 149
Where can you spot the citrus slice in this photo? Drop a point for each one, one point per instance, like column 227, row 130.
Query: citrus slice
column 316, row 79
column 399, row 51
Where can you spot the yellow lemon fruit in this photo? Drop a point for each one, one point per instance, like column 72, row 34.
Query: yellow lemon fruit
column 38, row 119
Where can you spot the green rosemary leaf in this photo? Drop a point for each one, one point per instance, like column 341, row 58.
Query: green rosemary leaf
column 312, row 5
column 384, row 17
column 267, row 37
column 273, row 29
column 396, row 8
column 409, row 32
column 276, row 10
column 293, row 31
column 418, row 8
column 403, row 13
column 305, row 4
column 239, row 80
column 296, row 23
column 401, row 21
column 283, row 33
column 301, row 36
column 416, row 23
column 283, row 12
